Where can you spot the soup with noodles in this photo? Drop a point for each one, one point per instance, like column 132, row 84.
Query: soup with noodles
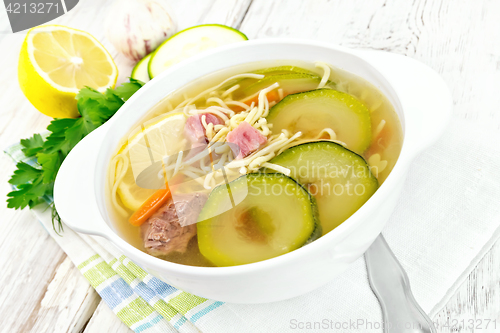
column 252, row 162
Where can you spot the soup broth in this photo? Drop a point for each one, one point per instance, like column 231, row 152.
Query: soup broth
column 278, row 95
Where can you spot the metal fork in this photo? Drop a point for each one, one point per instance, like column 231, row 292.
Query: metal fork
column 389, row 282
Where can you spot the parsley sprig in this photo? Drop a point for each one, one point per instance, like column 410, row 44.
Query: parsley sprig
column 33, row 183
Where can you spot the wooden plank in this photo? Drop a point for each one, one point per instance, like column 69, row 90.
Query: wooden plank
column 68, row 303
column 458, row 41
column 41, row 291
column 31, row 259
column 104, row 320
column 476, row 305
column 193, row 12
column 29, row 262
column 466, row 54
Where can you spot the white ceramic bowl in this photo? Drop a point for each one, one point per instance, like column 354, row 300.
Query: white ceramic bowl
column 419, row 95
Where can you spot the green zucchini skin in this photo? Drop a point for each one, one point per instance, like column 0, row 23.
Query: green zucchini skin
column 262, row 225
column 243, row 91
column 291, row 83
column 156, row 64
column 318, row 230
column 325, row 168
column 283, row 70
column 140, row 70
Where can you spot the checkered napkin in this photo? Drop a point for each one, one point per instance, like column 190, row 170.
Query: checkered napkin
column 448, row 217
column 141, row 301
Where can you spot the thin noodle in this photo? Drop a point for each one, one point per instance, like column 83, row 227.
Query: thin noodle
column 329, row 131
column 277, row 167
column 204, row 121
column 207, row 181
column 222, row 160
column 178, row 162
column 266, row 150
column 218, row 101
column 203, row 93
column 210, row 131
column 326, row 73
column 257, row 162
column 379, row 128
column 220, row 135
column 230, row 90
column 212, row 111
column 222, row 149
column 197, row 157
column 263, row 102
column 227, row 111
column 121, row 174
column 240, row 104
column 203, row 166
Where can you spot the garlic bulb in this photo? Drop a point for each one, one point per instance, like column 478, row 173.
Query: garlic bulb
column 137, row 27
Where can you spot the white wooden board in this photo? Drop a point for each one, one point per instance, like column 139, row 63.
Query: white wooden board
column 43, row 292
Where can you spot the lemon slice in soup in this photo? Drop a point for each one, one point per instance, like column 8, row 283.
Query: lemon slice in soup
column 148, row 143
column 131, row 195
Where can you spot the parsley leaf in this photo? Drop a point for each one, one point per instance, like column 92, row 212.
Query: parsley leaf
column 31, row 183
column 50, row 165
column 24, row 174
column 127, row 90
column 32, row 145
column 28, row 194
column 56, row 141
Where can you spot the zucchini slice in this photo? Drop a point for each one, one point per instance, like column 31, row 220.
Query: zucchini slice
column 140, row 70
column 189, row 42
column 276, row 216
column 340, row 180
column 312, row 111
column 284, row 70
column 243, row 92
column 291, row 83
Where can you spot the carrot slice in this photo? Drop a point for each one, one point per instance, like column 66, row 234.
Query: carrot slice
column 271, row 96
column 150, row 206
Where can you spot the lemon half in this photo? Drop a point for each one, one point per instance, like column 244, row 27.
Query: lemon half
column 56, row 62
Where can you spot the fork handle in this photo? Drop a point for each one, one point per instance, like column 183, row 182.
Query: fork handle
column 389, row 282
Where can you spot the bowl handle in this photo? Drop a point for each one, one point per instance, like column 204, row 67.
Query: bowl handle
column 424, row 96
column 74, row 196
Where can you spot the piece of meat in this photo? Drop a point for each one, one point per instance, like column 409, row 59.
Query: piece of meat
column 246, row 138
column 171, row 228
column 194, row 129
column 188, row 206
